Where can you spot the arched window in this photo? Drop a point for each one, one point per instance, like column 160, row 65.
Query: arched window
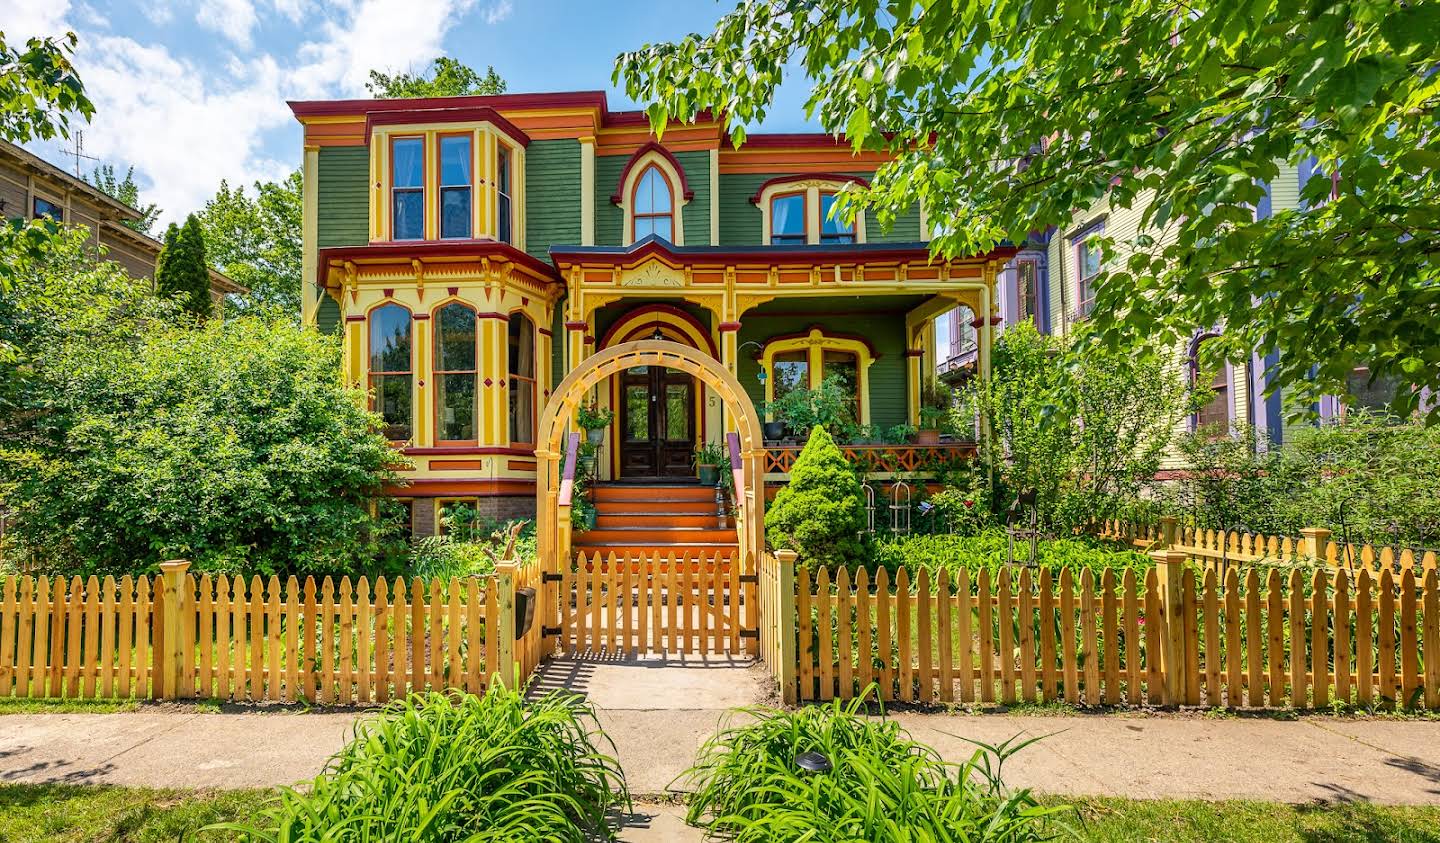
column 391, row 369
column 806, row 361
column 1216, row 412
column 654, row 206
column 455, row 373
column 522, row 380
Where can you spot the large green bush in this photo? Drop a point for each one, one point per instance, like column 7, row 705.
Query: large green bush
column 882, row 786
column 441, row 768
column 1367, row 478
column 132, row 435
column 820, row 513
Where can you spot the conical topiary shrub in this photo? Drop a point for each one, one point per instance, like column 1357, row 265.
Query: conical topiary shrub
column 821, row 511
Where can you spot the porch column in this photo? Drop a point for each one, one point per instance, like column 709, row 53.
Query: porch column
column 914, row 380
column 494, row 376
column 423, row 435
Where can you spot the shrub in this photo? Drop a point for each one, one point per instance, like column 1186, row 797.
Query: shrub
column 990, row 549
column 882, row 786
column 820, row 513
column 437, row 768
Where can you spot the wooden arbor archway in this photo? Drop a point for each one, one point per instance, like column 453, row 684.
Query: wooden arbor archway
column 552, row 524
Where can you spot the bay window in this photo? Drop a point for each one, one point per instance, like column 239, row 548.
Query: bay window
column 522, row 379
column 503, row 196
column 456, row 186
column 455, row 374
column 391, row 370
column 407, row 188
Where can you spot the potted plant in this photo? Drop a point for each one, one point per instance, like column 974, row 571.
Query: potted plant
column 774, row 426
column 900, row 434
column 708, row 458
column 935, row 400
column 594, row 419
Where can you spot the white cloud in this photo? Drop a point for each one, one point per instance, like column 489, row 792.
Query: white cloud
column 235, row 19
column 186, row 123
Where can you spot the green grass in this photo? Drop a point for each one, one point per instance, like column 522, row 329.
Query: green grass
column 56, row 813
column 53, row 705
column 1181, row 821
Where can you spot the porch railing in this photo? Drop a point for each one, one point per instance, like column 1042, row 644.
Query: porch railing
column 873, row 459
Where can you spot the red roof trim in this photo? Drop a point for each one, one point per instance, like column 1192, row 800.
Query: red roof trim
column 793, row 140
column 437, row 248
column 616, row 198
column 840, row 177
column 445, row 115
column 564, row 99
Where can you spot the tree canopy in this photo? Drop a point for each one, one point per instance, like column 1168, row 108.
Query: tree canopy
column 181, row 271
column 255, row 240
column 127, row 191
column 445, row 77
column 1009, row 116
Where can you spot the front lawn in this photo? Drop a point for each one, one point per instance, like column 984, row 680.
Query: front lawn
column 61, row 813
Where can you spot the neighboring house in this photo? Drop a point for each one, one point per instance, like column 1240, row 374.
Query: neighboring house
column 31, row 188
column 474, row 250
column 1055, row 273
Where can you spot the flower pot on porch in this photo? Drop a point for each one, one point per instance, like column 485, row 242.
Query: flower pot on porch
column 595, row 435
column 927, row 437
column 774, row 429
column 709, row 474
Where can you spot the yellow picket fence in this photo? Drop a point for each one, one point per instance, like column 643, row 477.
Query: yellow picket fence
column 622, row 606
column 179, row 636
column 1220, row 549
column 1166, row 637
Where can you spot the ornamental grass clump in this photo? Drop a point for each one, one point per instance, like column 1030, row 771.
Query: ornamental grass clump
column 476, row 768
column 880, row 785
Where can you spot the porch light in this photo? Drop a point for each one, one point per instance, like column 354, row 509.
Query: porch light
column 813, row 762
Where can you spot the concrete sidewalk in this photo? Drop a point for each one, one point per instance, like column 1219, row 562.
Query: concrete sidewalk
column 658, row 714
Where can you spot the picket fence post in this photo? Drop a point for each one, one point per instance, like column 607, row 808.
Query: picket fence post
column 1315, row 542
column 1170, row 568
column 784, row 626
column 1168, row 532
column 504, row 626
column 168, row 638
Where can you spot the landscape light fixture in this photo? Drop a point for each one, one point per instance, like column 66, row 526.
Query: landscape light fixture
column 813, row 762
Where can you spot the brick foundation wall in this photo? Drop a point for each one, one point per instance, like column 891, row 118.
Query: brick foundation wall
column 493, row 508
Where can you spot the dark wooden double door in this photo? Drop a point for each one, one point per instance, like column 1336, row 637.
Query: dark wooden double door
column 657, row 423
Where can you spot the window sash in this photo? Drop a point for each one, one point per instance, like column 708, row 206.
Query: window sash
column 455, row 219
column 502, row 191
column 392, row 396
column 782, row 224
column 832, row 229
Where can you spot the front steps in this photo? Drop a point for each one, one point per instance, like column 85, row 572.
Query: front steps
column 640, row 520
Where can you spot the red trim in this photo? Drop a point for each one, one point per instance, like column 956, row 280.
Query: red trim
column 419, row 316
column 794, row 140
column 911, row 352
column 561, row 99
column 778, row 180
column 474, row 114
column 729, row 326
column 545, row 332
column 354, row 318
column 576, row 326
column 814, row 255
column 468, row 450
column 640, row 312
column 433, row 487
column 503, row 317
column 421, row 249
column 652, row 146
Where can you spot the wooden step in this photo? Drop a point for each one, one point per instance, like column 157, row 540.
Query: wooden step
column 656, row 493
column 652, row 536
column 656, row 520
column 631, row 507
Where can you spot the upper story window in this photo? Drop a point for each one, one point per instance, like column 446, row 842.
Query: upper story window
column 522, row 379
column 787, row 220
column 503, row 204
column 654, row 206
column 457, row 186
column 46, row 208
column 407, row 188
column 391, row 370
column 1027, row 287
column 1087, row 266
column 832, row 228
column 455, row 374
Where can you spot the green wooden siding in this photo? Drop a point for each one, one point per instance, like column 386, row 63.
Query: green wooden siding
column 905, row 228
column 739, row 220
column 609, row 219
column 342, row 196
column 886, row 333
column 552, row 195
column 558, row 340
column 697, row 213
column 327, row 316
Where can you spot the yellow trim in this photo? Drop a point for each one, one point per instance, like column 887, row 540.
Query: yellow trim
column 677, row 199
column 815, row 344
column 811, row 188
column 587, row 191
column 715, row 197
column 309, row 248
column 679, row 330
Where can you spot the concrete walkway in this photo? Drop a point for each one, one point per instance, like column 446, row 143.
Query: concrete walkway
column 658, row 713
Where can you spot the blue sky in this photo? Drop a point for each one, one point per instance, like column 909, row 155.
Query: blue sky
column 190, row 92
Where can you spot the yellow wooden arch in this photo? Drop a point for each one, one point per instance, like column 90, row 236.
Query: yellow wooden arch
column 553, row 521
column 815, row 343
